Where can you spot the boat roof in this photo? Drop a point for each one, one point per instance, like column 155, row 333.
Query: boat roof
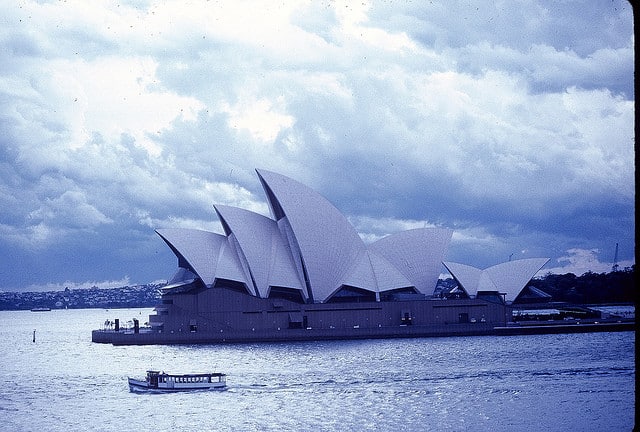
column 154, row 372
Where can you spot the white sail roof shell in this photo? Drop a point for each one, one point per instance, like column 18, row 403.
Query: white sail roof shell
column 208, row 254
column 417, row 254
column 468, row 277
column 512, row 276
column 268, row 261
column 328, row 244
column 200, row 249
column 230, row 267
column 508, row 277
column 372, row 272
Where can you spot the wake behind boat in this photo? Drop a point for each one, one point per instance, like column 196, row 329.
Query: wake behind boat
column 160, row 382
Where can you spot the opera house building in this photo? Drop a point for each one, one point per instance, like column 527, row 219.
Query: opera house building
column 304, row 273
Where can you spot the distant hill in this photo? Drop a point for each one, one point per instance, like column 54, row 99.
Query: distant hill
column 124, row 297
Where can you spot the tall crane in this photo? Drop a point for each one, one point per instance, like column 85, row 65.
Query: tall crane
column 615, row 260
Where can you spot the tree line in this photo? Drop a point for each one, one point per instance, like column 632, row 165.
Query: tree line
column 590, row 288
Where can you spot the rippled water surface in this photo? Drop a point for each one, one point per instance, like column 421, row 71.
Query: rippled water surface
column 64, row 382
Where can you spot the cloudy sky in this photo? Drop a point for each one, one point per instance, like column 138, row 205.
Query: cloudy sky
column 510, row 122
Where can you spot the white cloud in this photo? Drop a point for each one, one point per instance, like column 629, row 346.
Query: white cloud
column 114, row 95
column 259, row 117
column 581, row 261
column 70, row 209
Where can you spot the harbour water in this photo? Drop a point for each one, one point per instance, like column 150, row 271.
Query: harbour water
column 63, row 381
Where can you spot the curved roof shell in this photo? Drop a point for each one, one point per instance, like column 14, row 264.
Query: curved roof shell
column 468, row 277
column 230, row 266
column 197, row 249
column 509, row 277
column 417, row 254
column 512, row 276
column 372, row 272
column 327, row 243
column 265, row 259
column 206, row 254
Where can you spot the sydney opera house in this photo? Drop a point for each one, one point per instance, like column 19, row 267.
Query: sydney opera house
column 305, row 273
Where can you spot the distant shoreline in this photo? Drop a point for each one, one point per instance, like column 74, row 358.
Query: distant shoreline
column 137, row 296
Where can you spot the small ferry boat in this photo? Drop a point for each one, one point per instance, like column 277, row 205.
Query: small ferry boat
column 160, row 382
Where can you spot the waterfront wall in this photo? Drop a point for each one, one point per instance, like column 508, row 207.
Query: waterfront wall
column 216, row 310
column 290, row 335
